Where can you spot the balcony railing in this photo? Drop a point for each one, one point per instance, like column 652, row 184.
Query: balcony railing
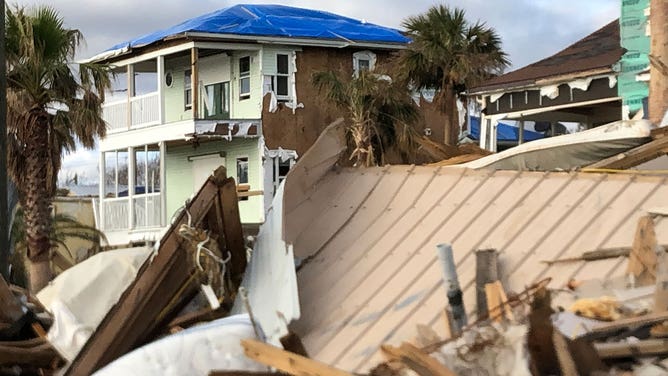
column 144, row 111
column 146, row 210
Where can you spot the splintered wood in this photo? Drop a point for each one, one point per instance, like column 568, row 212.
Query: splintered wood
column 287, row 362
column 643, row 259
column 415, row 359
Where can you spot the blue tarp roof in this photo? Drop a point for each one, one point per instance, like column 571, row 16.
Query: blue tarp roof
column 276, row 21
column 504, row 132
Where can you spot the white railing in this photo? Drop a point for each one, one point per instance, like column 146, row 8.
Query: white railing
column 115, row 211
column 145, row 110
column 147, row 210
column 116, row 115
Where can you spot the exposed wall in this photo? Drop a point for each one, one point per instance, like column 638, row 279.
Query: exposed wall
column 298, row 131
column 179, row 173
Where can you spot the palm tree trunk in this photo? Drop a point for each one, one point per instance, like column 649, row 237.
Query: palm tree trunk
column 451, row 116
column 36, row 201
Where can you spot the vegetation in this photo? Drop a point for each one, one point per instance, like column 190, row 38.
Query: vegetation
column 381, row 114
column 449, row 54
column 63, row 227
column 53, row 104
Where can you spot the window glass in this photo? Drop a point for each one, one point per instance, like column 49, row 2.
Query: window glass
column 187, row 90
column 282, row 64
column 244, row 77
column 217, row 101
column 242, row 170
column 364, row 65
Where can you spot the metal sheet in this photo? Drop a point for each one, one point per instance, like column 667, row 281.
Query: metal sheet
column 376, row 278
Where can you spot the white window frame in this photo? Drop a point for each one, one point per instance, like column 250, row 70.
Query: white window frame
column 187, row 86
column 246, row 75
column 363, row 55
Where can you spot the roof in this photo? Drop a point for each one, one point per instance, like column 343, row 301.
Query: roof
column 504, row 132
column 275, row 21
column 368, row 237
column 599, row 50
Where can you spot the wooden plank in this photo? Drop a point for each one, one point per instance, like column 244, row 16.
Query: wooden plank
column 291, row 342
column 627, row 324
column 416, row 359
column 249, row 193
column 487, row 271
column 35, row 353
column 632, row 349
column 10, row 308
column 634, row 157
column 643, row 259
column 243, row 373
column 286, row 361
column 143, row 307
column 234, row 236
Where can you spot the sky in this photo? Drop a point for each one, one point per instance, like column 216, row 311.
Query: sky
column 529, row 29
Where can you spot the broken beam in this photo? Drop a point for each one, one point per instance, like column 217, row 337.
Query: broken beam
column 286, row 361
column 634, row 157
column 416, row 359
column 145, row 304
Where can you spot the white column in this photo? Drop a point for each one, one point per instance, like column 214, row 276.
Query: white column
column 131, row 186
column 102, row 189
column 493, row 138
column 131, row 92
column 161, row 99
column 163, row 185
column 483, row 131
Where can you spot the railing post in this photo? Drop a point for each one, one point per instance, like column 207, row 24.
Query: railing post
column 161, row 76
column 194, row 81
column 131, row 186
column 131, row 92
column 163, row 184
column 102, row 189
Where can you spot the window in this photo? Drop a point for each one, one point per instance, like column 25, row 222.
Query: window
column 187, row 90
column 281, row 165
column 217, row 101
column 280, row 83
column 242, row 170
column 244, row 77
column 363, row 60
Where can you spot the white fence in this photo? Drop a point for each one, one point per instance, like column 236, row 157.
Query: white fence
column 115, row 211
column 147, row 210
column 144, row 111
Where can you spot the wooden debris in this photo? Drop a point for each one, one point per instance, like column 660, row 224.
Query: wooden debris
column 627, row 324
column 243, row 373
column 10, row 308
column 292, row 343
column 544, row 359
column 35, row 352
column 487, row 271
column 604, row 308
column 566, row 362
column 643, row 259
column 599, row 254
column 632, row 349
column 635, row 156
column 286, row 361
column 416, row 359
column 497, row 301
column 167, row 281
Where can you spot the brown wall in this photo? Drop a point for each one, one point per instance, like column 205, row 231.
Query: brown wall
column 658, row 87
column 298, row 131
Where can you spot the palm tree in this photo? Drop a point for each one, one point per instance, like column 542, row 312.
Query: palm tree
column 380, row 112
column 52, row 105
column 63, row 228
column 448, row 54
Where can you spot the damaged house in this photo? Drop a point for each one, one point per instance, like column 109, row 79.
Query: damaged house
column 230, row 88
column 577, row 84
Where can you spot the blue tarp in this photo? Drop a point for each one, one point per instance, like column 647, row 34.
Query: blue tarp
column 276, row 21
column 504, row 132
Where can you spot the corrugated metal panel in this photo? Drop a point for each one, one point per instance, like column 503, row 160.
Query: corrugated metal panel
column 371, row 274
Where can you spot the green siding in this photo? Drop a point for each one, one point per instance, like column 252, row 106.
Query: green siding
column 174, row 102
column 179, row 174
column 250, row 108
column 634, row 38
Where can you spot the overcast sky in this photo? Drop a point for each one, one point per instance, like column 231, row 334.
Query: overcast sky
column 529, row 29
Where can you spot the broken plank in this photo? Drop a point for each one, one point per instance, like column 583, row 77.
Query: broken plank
column 234, row 236
column 10, row 309
column 643, row 258
column 286, row 361
column 144, row 307
column 627, row 324
column 37, row 353
column 635, row 156
column 243, row 373
column 416, row 359
column 291, row 342
column 632, row 349
column 599, row 254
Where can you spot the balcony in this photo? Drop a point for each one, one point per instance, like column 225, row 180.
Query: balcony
column 145, row 111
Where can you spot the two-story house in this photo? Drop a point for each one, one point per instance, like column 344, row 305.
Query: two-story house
column 230, row 88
